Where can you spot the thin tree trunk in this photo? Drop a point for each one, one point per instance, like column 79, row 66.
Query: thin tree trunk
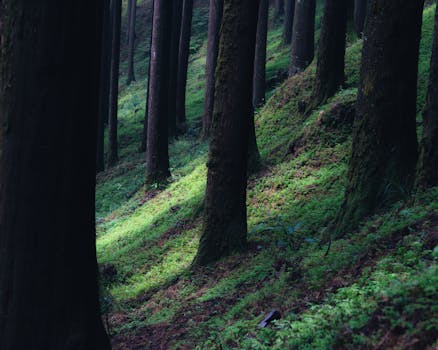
column 279, row 9
column 303, row 36
column 157, row 152
column 49, row 97
column 214, row 24
column 427, row 175
column 384, row 156
column 225, row 224
column 288, row 21
column 331, row 51
column 183, row 61
column 259, row 83
column 131, row 41
column 113, row 156
column 128, row 18
column 360, row 11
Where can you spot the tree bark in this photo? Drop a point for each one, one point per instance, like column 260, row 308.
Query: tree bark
column 303, row 36
column 279, row 9
column 183, row 61
column 214, row 24
column 259, row 83
column 288, row 21
column 331, row 51
column 225, row 226
column 131, row 41
column 113, row 156
column 427, row 175
column 49, row 96
column 360, row 12
column 384, row 154
column 157, row 152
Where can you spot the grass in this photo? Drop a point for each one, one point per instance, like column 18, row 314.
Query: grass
column 375, row 287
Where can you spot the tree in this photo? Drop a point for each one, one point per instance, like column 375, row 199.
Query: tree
column 303, row 36
column 331, row 51
column 104, row 91
column 214, row 24
column 289, row 11
column 173, row 65
column 427, row 175
column 157, row 152
column 279, row 9
column 131, row 40
column 384, row 154
column 183, row 61
column 259, row 84
column 49, row 95
column 225, row 226
column 113, row 156
column 360, row 11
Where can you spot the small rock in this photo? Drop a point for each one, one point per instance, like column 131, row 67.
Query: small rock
column 272, row 316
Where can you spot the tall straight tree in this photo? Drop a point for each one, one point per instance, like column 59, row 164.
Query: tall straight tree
column 131, row 40
column 289, row 12
column 384, row 155
column 331, row 51
column 183, row 61
column 259, row 84
column 360, row 12
column 225, row 226
column 279, row 8
column 173, row 65
column 104, row 91
column 157, row 152
column 214, row 24
column 113, row 155
column 49, row 94
column 303, row 36
column 428, row 162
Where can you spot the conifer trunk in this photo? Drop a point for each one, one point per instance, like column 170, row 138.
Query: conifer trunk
column 289, row 11
column 360, row 12
column 279, row 9
column 259, row 85
column 131, row 41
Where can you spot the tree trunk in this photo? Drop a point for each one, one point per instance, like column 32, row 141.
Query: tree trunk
column 331, row 51
column 131, row 41
column 214, row 24
column 113, row 156
column 49, row 96
column 225, row 225
column 183, row 61
column 303, row 36
column 105, row 71
column 384, row 155
column 173, row 65
column 157, row 152
column 288, row 21
column 427, row 175
column 360, row 12
column 259, row 83
column 279, row 9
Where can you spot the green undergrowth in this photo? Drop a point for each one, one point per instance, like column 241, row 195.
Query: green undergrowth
column 374, row 288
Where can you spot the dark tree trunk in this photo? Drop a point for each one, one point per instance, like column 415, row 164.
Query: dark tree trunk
column 259, row 84
column 105, row 71
column 279, row 9
column 214, row 24
column 384, row 155
column 360, row 12
column 157, row 152
column 303, row 36
column 131, row 40
column 331, row 51
column 113, row 156
column 428, row 162
column 288, row 21
column 225, row 225
column 183, row 61
column 49, row 96
column 173, row 65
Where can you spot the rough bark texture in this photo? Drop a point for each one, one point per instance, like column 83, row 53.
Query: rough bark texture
column 173, row 65
column 214, row 24
column 113, row 155
column 279, row 9
column 428, row 162
column 259, row 85
column 105, row 71
column 360, row 12
column 183, row 61
column 303, row 36
column 384, row 155
column 331, row 51
column 289, row 9
column 157, row 152
column 225, row 225
column 49, row 83
column 131, row 40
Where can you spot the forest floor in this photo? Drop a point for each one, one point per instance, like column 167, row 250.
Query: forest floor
column 375, row 288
